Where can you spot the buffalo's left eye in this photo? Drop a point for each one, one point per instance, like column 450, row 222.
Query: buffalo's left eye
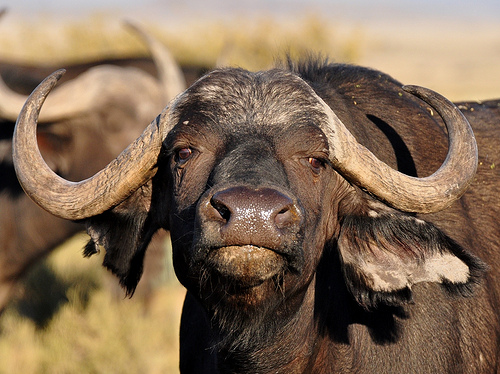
column 315, row 163
column 184, row 154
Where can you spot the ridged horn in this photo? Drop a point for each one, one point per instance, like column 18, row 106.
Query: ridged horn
column 79, row 200
column 411, row 194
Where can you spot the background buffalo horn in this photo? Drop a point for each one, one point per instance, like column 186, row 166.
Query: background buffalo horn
column 80, row 95
column 10, row 102
column 71, row 99
column 169, row 72
column 78, row 200
column 420, row 195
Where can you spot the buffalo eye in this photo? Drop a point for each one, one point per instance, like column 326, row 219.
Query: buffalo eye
column 316, row 163
column 184, row 154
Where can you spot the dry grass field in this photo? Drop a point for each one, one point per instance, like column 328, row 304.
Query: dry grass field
column 459, row 61
column 68, row 321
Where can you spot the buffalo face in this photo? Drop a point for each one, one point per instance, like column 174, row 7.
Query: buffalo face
column 252, row 193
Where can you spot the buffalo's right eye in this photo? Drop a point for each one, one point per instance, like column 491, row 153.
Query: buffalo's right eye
column 184, row 154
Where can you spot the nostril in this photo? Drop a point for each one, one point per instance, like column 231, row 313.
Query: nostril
column 221, row 208
column 285, row 217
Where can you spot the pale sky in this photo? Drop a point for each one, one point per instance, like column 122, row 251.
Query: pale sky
column 352, row 9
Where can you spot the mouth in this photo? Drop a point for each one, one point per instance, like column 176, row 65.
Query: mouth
column 246, row 266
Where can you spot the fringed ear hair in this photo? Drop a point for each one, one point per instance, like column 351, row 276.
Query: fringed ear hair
column 124, row 232
column 384, row 255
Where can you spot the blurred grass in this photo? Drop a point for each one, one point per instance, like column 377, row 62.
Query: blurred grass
column 250, row 43
column 91, row 331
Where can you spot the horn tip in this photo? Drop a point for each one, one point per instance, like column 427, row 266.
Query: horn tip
column 132, row 25
column 412, row 88
column 58, row 73
column 48, row 83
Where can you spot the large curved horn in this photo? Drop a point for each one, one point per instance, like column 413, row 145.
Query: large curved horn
column 79, row 200
column 170, row 75
column 420, row 195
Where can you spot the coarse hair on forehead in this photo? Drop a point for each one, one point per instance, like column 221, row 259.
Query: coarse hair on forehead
column 276, row 96
column 237, row 82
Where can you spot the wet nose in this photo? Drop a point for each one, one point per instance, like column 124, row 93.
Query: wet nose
column 254, row 216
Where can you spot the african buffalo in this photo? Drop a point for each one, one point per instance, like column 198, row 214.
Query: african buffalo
column 87, row 123
column 308, row 224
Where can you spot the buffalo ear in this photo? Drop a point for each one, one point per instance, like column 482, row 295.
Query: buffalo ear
column 385, row 254
column 125, row 232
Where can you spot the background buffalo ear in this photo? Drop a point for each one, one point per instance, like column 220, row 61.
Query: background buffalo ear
column 124, row 232
column 385, row 253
